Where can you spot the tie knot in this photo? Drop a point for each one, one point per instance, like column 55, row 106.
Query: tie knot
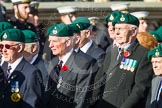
column 60, row 63
column 120, row 50
column 9, row 68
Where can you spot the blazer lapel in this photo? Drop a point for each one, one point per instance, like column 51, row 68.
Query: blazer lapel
column 69, row 63
column 113, row 56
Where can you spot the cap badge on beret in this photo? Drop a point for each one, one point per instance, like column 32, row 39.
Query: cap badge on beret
column 54, row 31
column 78, row 26
column 157, row 54
column 122, row 18
column 111, row 17
column 4, row 36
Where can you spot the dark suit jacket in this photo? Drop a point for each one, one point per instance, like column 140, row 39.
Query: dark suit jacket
column 42, row 66
column 123, row 88
column 154, row 91
column 73, row 92
column 97, row 53
column 30, row 87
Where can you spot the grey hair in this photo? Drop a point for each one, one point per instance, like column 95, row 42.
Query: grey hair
column 133, row 27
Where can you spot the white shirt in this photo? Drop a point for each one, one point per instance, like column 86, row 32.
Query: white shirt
column 14, row 65
column 86, row 46
column 65, row 58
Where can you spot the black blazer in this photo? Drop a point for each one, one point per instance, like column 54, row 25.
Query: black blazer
column 123, row 88
column 72, row 92
column 97, row 53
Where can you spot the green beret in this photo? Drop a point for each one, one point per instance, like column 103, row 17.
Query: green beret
column 156, row 52
column 159, row 32
column 60, row 30
column 30, row 36
column 112, row 16
column 80, row 23
column 4, row 26
column 126, row 18
column 156, row 36
column 12, row 35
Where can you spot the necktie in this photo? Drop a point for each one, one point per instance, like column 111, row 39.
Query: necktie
column 120, row 50
column 58, row 67
column 8, row 71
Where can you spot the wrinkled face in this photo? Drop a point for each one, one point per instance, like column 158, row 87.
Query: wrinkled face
column 84, row 37
column 27, row 53
column 122, row 33
column 58, row 45
column 10, row 50
column 22, row 10
column 143, row 26
column 157, row 65
column 111, row 30
column 76, row 40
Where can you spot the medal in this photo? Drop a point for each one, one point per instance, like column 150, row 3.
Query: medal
column 16, row 97
column 134, row 65
column 130, row 64
column 59, row 82
column 126, row 64
column 17, row 86
column 122, row 63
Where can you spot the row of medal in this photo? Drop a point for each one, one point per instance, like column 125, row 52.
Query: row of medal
column 59, row 82
column 15, row 96
column 128, row 64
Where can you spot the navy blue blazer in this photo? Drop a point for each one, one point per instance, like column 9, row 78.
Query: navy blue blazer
column 24, row 87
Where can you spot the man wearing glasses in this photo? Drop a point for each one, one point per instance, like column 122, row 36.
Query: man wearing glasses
column 23, row 81
column 128, row 71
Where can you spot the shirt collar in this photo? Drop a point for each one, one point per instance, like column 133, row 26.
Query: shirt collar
column 14, row 65
column 65, row 58
column 86, row 46
column 33, row 59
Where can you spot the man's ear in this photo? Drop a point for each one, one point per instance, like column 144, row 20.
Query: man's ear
column 34, row 48
column 88, row 33
column 20, row 47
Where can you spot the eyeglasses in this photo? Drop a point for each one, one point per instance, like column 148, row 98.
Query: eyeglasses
column 7, row 46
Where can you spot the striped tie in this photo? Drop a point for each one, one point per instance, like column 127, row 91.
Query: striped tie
column 8, row 71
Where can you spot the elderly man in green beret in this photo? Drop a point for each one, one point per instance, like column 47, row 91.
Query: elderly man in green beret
column 31, row 53
column 69, row 84
column 24, row 88
column 86, row 44
column 155, row 56
column 128, row 71
column 4, row 26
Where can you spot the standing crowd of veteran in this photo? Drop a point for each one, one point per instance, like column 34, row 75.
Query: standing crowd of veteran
column 73, row 74
column 129, row 73
column 155, row 56
column 23, row 88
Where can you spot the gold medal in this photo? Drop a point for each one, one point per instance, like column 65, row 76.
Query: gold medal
column 16, row 97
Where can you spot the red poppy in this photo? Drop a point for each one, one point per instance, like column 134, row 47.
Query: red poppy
column 64, row 68
column 126, row 53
